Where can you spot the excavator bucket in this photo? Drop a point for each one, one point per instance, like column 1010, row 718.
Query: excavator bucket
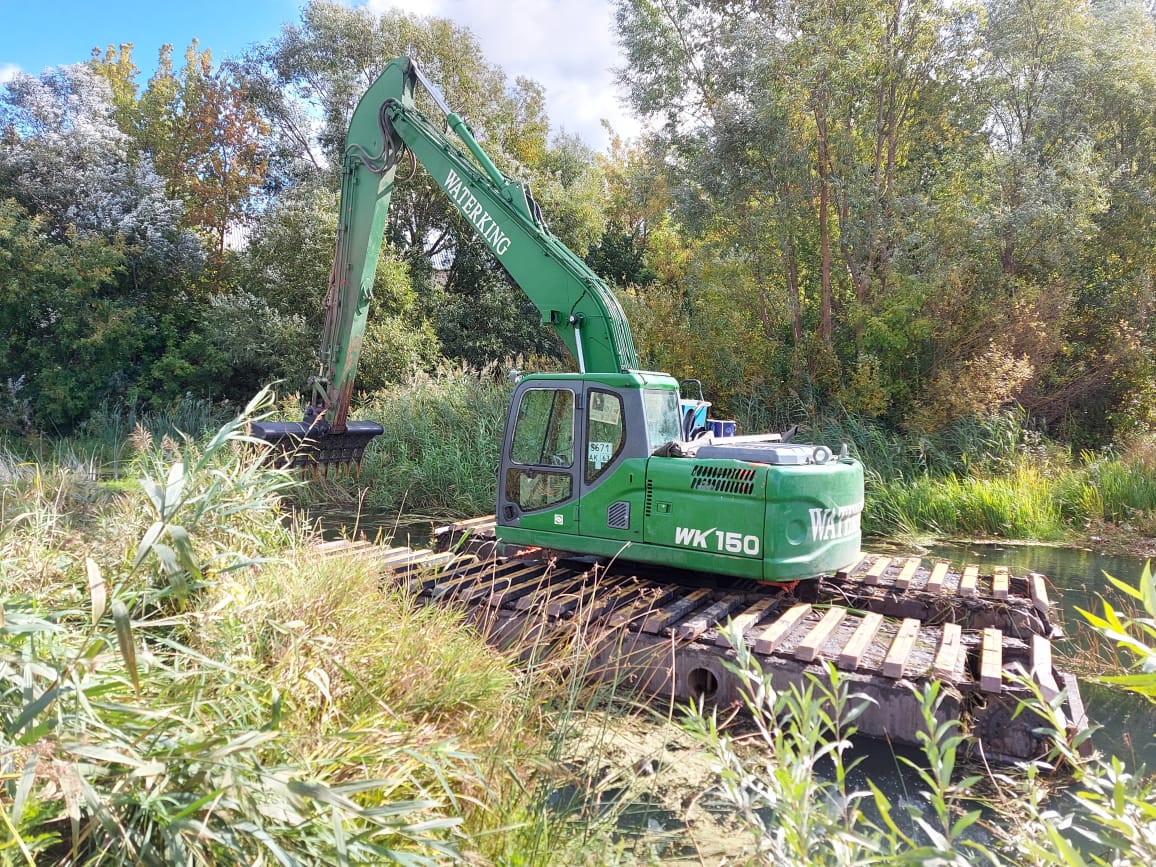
column 296, row 444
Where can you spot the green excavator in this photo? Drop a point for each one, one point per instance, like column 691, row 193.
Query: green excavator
column 608, row 462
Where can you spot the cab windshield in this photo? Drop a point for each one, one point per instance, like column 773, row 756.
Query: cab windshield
column 660, row 407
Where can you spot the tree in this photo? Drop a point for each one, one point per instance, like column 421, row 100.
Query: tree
column 199, row 129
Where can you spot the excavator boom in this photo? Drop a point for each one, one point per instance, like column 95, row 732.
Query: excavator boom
column 570, row 297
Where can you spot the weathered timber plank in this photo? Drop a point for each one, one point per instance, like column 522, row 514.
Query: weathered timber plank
column 549, row 590
column 846, row 572
column 708, row 618
column 969, row 582
column 531, row 582
column 772, row 636
column 422, row 583
column 428, row 561
column 876, row 571
column 499, row 582
column 947, row 657
column 1038, row 588
column 416, row 577
column 572, row 598
column 395, row 555
column 814, row 640
column 903, row 580
column 991, row 661
column 611, row 594
column 938, row 573
column 747, row 619
column 1079, row 718
column 446, row 585
column 652, row 597
column 341, row 546
column 896, row 659
column 1042, row 668
column 999, row 582
column 678, row 609
column 861, row 639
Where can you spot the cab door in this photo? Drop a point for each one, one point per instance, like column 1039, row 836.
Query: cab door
column 538, row 482
column 613, row 464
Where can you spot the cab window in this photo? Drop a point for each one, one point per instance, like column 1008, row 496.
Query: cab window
column 660, row 407
column 544, row 430
column 605, row 433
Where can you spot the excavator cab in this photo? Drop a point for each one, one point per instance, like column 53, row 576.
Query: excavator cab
column 598, row 465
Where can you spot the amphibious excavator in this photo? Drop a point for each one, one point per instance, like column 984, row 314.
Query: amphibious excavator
column 605, row 462
column 618, row 517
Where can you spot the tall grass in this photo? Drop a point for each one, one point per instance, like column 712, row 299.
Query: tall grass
column 182, row 680
column 140, row 725
column 443, row 436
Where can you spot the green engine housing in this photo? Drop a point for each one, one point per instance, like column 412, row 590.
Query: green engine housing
column 587, row 468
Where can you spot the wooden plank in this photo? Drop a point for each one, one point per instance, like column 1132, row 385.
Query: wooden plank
column 747, row 619
column 1079, row 718
column 653, row 596
column 846, row 572
column 903, row 580
column 935, row 582
column 876, row 571
column 395, row 555
column 571, row 597
column 772, row 636
column 896, row 659
column 484, row 572
column 999, row 582
column 612, row 594
column 864, row 634
column 342, row 546
column 710, row 618
column 523, row 587
column 499, row 581
column 678, row 609
column 968, row 583
column 446, row 585
column 549, row 590
column 947, row 657
column 1037, row 586
column 1042, row 668
column 813, row 642
column 432, row 561
column 991, row 661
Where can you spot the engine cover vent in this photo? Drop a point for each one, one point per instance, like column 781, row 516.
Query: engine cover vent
column 649, row 508
column 723, row 480
column 618, row 516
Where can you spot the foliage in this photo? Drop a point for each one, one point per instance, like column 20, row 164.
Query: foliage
column 440, row 449
column 928, row 210
column 794, row 814
column 166, row 699
column 1135, row 635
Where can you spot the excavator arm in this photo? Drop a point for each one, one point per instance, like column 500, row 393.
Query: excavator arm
column 570, row 297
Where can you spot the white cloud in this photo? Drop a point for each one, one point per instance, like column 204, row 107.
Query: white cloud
column 568, row 46
column 8, row 71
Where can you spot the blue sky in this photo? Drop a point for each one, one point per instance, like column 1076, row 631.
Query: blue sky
column 36, row 35
column 566, row 45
